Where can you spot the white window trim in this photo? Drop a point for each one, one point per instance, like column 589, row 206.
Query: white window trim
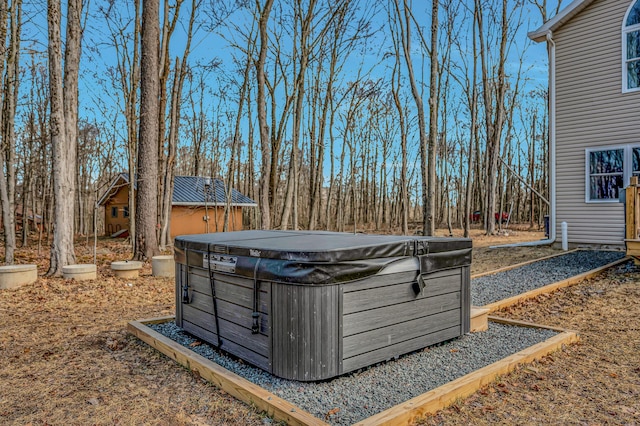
column 627, row 165
column 625, row 31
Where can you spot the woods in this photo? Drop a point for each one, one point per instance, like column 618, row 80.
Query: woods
column 351, row 116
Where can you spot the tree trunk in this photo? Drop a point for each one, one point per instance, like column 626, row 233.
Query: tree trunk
column 64, row 122
column 7, row 123
column 433, row 124
column 146, row 243
column 265, row 168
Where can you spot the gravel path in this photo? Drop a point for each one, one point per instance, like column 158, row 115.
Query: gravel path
column 353, row 397
column 492, row 288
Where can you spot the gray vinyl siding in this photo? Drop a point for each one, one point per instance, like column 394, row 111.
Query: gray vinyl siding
column 591, row 112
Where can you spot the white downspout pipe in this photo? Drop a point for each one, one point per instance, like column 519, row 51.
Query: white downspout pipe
column 552, row 151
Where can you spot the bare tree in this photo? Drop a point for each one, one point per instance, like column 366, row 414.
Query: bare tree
column 263, row 18
column 493, row 89
column 179, row 74
column 126, row 43
column 146, row 243
column 64, row 122
column 9, row 55
column 404, row 19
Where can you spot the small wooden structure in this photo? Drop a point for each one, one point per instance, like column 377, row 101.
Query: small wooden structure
column 197, row 206
column 632, row 218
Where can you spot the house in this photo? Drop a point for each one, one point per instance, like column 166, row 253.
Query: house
column 594, row 110
column 197, row 206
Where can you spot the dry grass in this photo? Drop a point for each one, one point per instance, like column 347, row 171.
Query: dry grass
column 65, row 357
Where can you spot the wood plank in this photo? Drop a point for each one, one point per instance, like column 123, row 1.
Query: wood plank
column 398, row 293
column 228, row 346
column 228, row 331
column 518, row 265
column 226, row 278
column 630, row 212
column 388, row 352
column 229, row 382
column 632, row 247
column 479, row 319
column 235, row 313
column 394, row 314
column 389, row 279
column 495, row 306
column 518, row 323
column 238, row 295
column 445, row 395
column 380, row 281
column 358, row 344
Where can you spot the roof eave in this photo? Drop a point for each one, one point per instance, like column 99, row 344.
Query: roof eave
column 107, row 194
column 575, row 7
column 213, row 204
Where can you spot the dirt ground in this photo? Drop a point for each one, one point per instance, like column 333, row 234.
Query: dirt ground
column 66, row 359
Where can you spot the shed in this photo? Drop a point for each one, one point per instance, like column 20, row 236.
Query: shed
column 311, row 305
column 197, row 205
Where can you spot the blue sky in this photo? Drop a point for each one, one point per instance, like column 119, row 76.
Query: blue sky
column 98, row 102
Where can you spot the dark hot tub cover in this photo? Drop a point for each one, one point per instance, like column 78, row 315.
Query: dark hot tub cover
column 316, row 257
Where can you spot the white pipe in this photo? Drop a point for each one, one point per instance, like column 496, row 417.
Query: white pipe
column 565, row 233
column 552, row 151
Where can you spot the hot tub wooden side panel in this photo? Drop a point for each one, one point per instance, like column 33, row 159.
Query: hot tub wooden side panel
column 234, row 303
column 384, row 321
column 306, row 335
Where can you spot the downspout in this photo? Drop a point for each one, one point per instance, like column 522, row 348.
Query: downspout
column 552, row 151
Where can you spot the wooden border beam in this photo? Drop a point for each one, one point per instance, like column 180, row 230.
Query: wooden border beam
column 518, row 265
column 495, row 306
column 447, row 394
column 222, row 378
column 403, row 413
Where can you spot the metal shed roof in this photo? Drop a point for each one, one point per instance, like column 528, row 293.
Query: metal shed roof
column 190, row 191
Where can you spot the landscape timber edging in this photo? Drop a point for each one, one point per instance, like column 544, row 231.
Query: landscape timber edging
column 222, row 378
column 282, row 410
column 518, row 265
column 445, row 395
column 495, row 306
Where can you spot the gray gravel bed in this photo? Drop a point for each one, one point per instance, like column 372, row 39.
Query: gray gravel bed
column 502, row 285
column 361, row 394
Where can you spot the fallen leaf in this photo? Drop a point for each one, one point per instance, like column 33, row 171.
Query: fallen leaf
column 331, row 412
column 196, row 343
column 113, row 344
column 93, row 401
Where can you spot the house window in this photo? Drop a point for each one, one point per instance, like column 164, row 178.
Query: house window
column 114, row 211
column 631, row 48
column 125, row 211
column 608, row 170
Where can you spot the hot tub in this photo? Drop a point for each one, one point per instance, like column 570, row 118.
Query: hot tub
column 307, row 305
